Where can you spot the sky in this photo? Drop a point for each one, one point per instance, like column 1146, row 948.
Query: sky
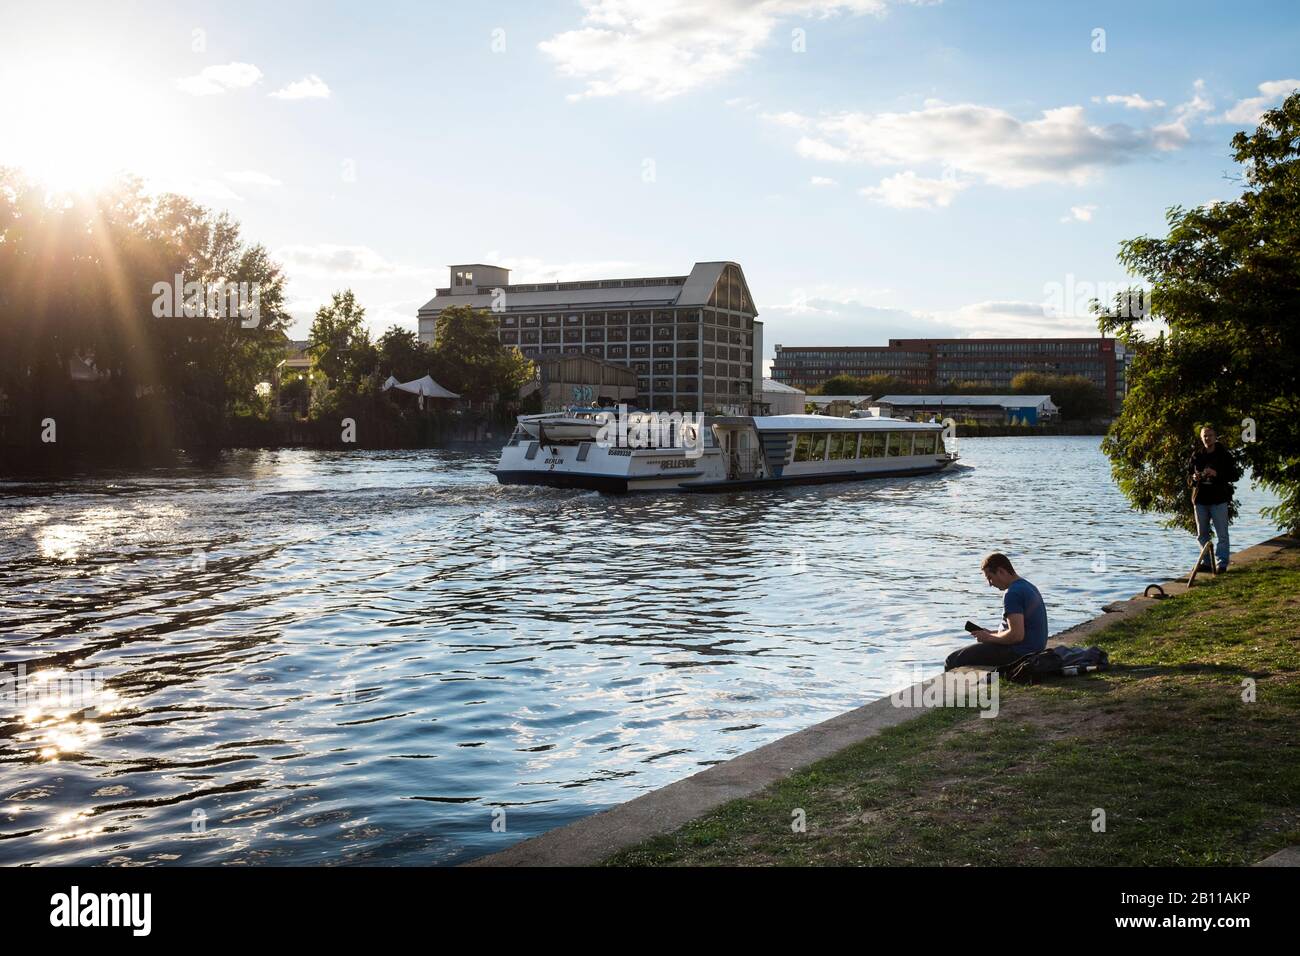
column 879, row 168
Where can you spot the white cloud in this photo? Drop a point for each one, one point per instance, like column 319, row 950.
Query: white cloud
column 845, row 317
column 821, row 151
column 823, row 181
column 212, row 80
column 841, row 317
column 1133, row 101
column 1247, row 112
column 910, row 191
column 1080, row 214
column 1060, row 146
column 663, row 48
column 325, row 260
column 310, row 87
column 252, row 177
column 1175, row 133
column 1015, row 319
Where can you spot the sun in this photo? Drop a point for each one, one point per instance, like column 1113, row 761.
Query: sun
column 72, row 124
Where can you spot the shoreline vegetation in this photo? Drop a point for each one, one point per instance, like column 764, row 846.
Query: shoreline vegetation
column 1190, row 744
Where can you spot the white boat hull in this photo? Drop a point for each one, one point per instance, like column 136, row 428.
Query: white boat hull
column 628, row 470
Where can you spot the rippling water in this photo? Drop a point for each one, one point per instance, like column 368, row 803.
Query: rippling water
column 314, row 657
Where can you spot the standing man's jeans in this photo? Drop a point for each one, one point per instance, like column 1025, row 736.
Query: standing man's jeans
column 1218, row 515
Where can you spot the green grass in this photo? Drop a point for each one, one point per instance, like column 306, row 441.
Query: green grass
column 1185, row 770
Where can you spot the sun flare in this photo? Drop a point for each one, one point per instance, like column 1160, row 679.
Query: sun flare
column 73, row 125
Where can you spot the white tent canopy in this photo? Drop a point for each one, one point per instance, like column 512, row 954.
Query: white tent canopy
column 424, row 387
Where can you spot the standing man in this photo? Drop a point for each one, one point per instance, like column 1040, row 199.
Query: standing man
column 1024, row 628
column 1211, row 471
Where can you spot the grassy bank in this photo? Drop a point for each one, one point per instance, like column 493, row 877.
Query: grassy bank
column 1185, row 770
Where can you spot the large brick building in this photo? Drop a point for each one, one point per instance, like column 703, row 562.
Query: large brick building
column 692, row 340
column 939, row 363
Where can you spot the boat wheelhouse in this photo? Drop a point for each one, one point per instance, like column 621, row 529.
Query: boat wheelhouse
column 724, row 453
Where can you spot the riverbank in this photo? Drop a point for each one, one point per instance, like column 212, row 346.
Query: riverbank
column 1169, row 751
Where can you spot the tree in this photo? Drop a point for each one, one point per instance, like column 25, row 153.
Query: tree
column 79, row 280
column 470, row 360
column 1075, row 395
column 1226, row 283
column 402, row 354
column 873, row 385
column 967, row 388
column 340, row 342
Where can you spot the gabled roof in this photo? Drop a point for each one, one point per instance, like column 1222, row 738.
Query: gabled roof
column 694, row 289
column 552, row 298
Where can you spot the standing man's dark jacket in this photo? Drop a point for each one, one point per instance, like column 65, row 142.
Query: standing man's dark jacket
column 1216, row 490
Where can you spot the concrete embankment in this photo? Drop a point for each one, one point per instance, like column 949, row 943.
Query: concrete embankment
column 593, row 839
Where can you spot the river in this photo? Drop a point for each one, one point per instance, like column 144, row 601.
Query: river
column 325, row 658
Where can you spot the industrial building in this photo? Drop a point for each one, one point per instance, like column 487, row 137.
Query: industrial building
column 565, row 380
column 940, row 363
column 692, row 340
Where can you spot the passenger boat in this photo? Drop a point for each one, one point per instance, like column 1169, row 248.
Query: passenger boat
column 717, row 454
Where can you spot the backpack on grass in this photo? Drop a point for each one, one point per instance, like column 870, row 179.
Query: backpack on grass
column 1055, row 662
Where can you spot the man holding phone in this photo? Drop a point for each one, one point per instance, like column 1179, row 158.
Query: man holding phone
column 1211, row 471
column 1024, row 628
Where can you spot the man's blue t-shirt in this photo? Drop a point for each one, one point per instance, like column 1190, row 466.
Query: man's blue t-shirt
column 1023, row 598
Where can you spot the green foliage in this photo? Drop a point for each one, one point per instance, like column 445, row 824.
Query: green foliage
column 1075, row 395
column 402, row 355
column 470, row 360
column 340, row 342
column 1226, row 283
column 79, row 284
column 873, row 385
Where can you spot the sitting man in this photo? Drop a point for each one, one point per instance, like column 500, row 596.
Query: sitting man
column 1024, row 629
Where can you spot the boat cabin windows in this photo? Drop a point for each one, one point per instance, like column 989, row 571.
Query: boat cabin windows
column 838, row 446
column 900, row 444
column 873, row 444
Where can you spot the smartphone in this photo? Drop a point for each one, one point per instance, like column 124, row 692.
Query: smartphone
column 973, row 627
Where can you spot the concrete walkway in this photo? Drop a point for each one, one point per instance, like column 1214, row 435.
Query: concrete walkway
column 1288, row 857
column 591, row 840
